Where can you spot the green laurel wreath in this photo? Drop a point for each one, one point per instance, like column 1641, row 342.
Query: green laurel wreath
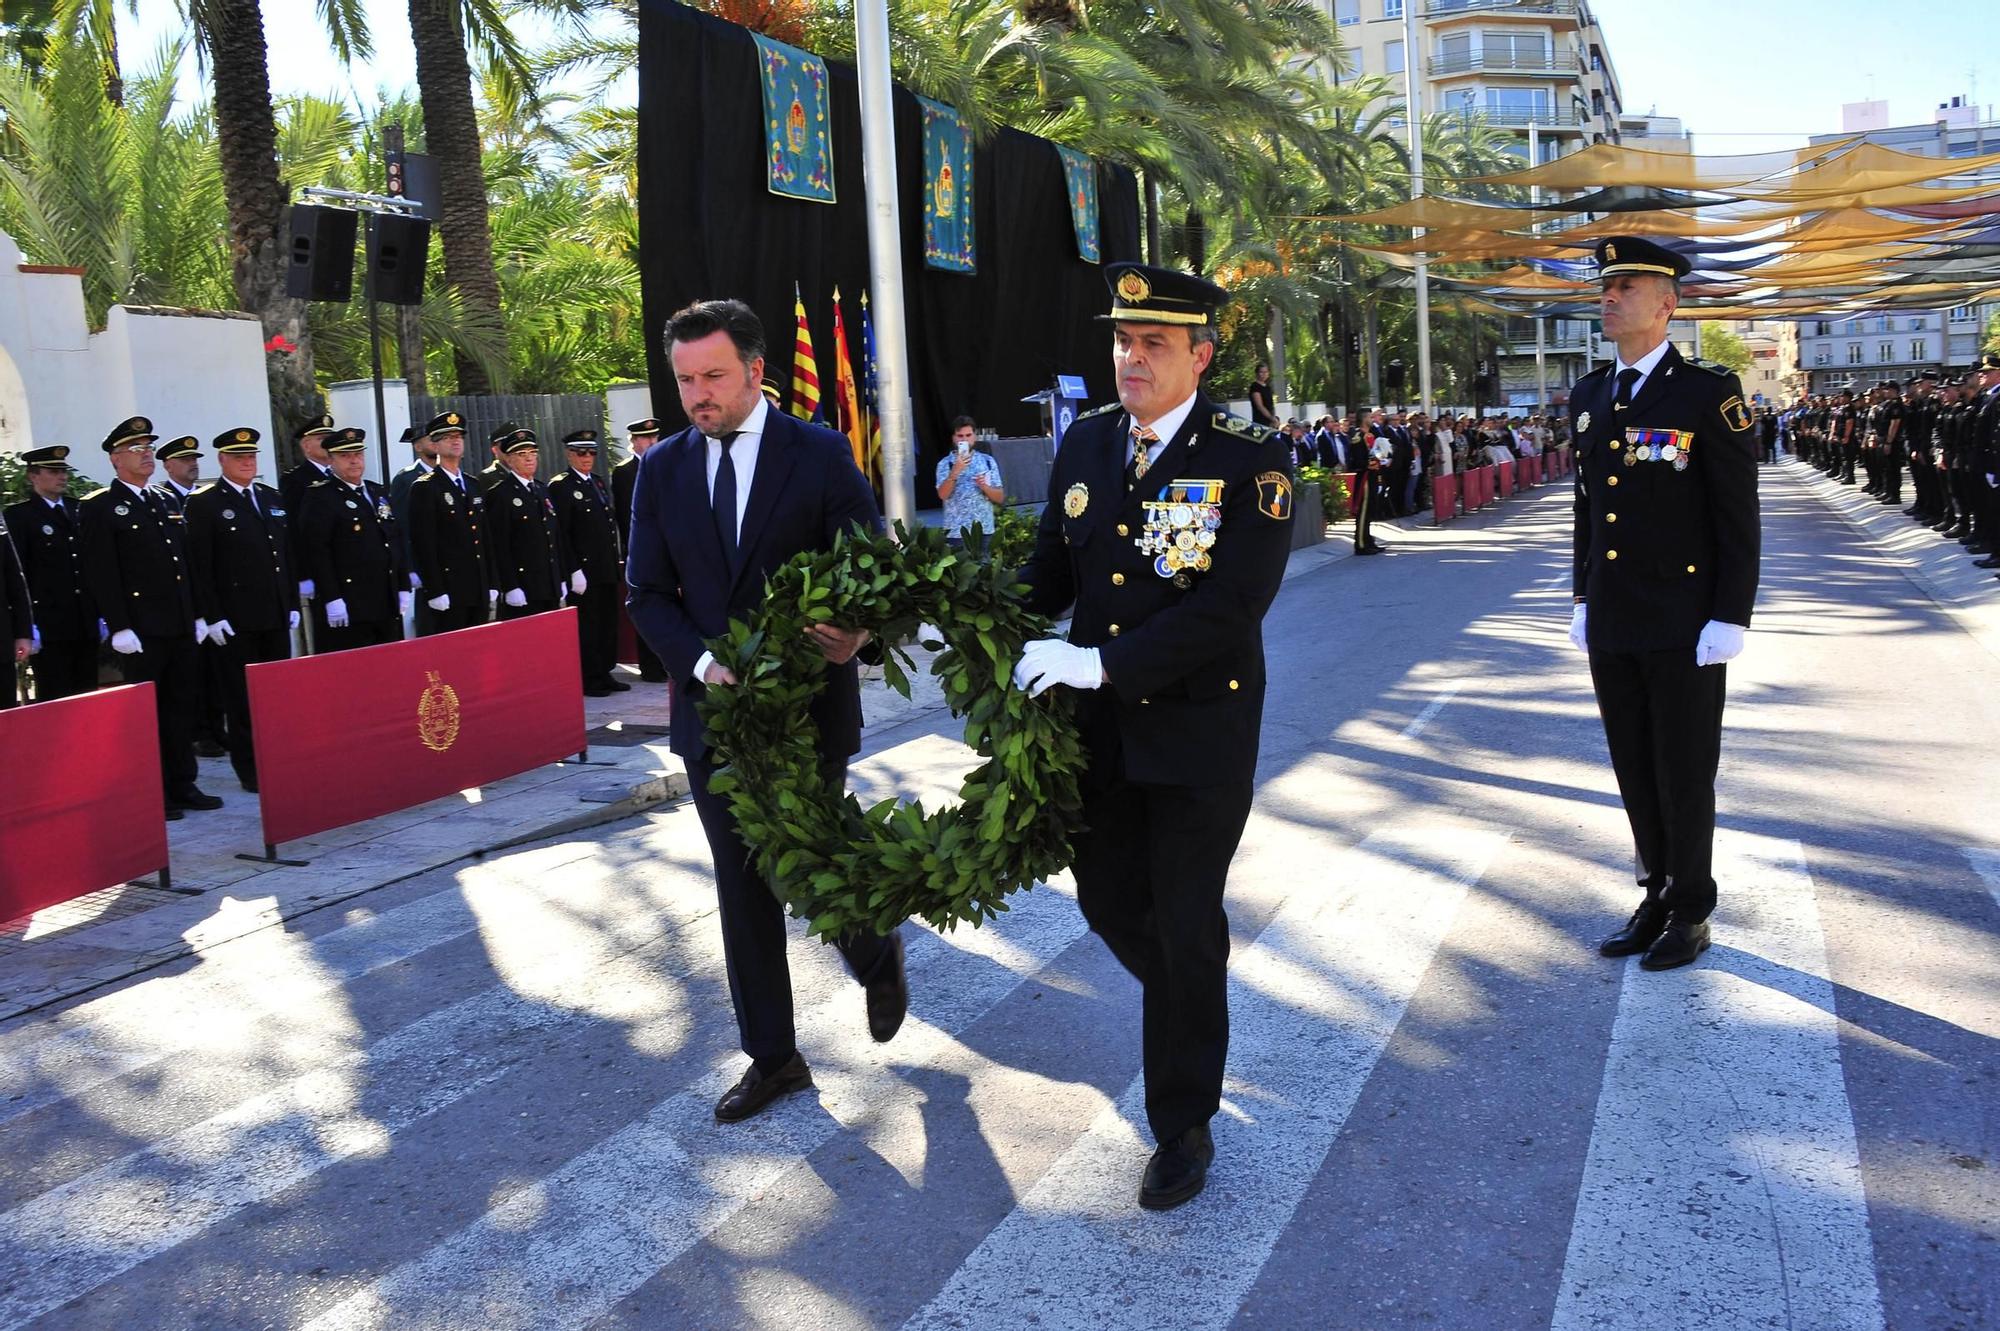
column 841, row 867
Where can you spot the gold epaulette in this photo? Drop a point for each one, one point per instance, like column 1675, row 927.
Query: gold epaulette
column 1242, row 429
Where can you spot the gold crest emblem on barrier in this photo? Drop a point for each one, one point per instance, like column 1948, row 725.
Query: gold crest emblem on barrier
column 437, row 714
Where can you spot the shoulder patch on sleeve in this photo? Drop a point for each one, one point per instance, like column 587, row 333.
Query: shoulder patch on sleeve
column 1736, row 414
column 1274, row 495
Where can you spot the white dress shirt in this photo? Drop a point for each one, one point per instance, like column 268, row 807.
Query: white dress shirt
column 1645, row 365
column 1166, row 427
column 743, row 457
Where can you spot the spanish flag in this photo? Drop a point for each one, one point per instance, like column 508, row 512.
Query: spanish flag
column 846, row 399
column 805, row 372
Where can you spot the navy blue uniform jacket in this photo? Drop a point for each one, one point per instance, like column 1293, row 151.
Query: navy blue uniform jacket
column 806, row 491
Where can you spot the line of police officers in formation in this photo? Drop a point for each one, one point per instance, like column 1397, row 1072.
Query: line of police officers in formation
column 190, row 584
column 1947, row 430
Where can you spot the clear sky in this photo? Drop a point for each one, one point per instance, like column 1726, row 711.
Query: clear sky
column 1743, row 75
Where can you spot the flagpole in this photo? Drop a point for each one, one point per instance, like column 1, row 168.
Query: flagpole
column 885, row 255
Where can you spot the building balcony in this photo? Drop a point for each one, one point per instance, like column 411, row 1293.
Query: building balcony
column 1512, row 117
column 1503, row 63
column 1445, row 9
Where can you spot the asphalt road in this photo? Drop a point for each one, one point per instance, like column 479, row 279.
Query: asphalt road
column 480, row 1099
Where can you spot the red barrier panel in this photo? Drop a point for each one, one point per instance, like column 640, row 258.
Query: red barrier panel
column 1534, row 471
column 1503, row 475
column 86, row 810
column 358, row 734
column 628, row 637
column 1444, row 498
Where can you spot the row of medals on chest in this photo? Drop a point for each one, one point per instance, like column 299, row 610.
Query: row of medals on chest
column 1643, row 444
column 1180, row 526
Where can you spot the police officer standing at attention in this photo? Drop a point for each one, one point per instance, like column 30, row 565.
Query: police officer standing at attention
column 1666, row 560
column 17, row 618
column 640, row 435
column 136, row 568
column 348, row 539
column 311, row 438
column 180, row 460
column 529, row 563
column 44, row 528
column 594, row 556
column 449, row 553
column 1168, row 530
column 239, row 550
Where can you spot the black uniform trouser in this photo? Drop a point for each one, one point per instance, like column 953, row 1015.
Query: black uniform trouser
column 173, row 667
column 64, row 669
column 1891, row 475
column 1923, row 479
column 753, row 928
column 1150, row 869
column 1663, row 723
column 597, row 628
column 245, row 648
column 533, row 607
column 1850, row 454
column 432, row 622
column 1364, row 517
column 358, row 633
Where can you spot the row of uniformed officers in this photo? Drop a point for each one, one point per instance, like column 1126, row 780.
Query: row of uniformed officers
column 190, row 586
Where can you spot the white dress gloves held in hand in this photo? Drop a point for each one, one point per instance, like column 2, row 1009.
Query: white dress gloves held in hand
column 221, row 631
column 492, row 595
column 1050, row 661
column 200, row 631
column 578, row 583
column 403, row 602
column 1577, row 637
column 306, row 589
column 295, row 619
column 517, row 598
column 336, row 613
column 440, row 603
column 1719, row 642
column 125, row 642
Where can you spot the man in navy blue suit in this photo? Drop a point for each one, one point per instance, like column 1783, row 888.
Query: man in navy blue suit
column 715, row 509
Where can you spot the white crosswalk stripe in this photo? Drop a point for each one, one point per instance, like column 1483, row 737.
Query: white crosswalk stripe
column 1312, row 1004
column 1723, row 1184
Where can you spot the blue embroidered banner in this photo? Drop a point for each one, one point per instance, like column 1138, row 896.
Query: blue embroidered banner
column 798, row 143
column 1080, row 179
column 947, row 189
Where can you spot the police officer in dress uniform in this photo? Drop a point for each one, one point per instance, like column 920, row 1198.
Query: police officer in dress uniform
column 1983, row 443
column 1950, row 422
column 311, row 437
column 348, row 541
column 530, row 565
column 640, row 435
column 239, row 548
column 399, row 489
column 17, row 618
column 180, row 463
column 1168, row 530
column 594, row 555
column 1920, row 418
column 1666, row 560
column 135, row 565
column 44, row 528
column 449, row 550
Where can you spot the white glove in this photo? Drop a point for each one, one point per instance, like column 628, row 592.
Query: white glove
column 1050, row 661
column 517, row 598
column 492, row 595
column 578, row 583
column 200, row 631
column 305, row 589
column 336, row 613
column 221, row 631
column 415, row 582
column 1991, row 482
column 403, row 602
column 35, row 638
column 125, row 642
column 440, row 603
column 295, row 619
column 1719, row 642
column 1577, row 637
column 103, row 631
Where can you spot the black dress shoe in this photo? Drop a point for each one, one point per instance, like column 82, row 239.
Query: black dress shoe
column 616, row 685
column 193, row 798
column 174, row 814
column 1639, row 931
column 596, row 691
column 208, row 748
column 653, row 676
column 1991, row 561
column 1679, row 943
column 755, row 1090
column 249, row 783
column 1178, row 1170
column 888, row 994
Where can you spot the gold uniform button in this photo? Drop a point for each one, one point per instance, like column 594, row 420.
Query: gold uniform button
column 1114, row 630
column 1124, row 530
column 1233, row 685
column 1611, row 517
column 1611, row 554
column 1690, row 568
column 1117, row 579
column 1611, row 480
column 1614, row 445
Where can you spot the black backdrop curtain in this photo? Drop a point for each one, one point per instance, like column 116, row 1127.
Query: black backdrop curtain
column 709, row 227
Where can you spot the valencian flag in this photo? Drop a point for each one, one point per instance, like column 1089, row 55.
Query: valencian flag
column 798, row 142
column 846, row 400
column 1080, row 183
column 947, row 189
column 805, row 371
column 871, row 397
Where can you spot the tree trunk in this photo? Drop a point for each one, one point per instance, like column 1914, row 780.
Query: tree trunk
column 410, row 351
column 1374, row 352
column 1197, row 243
column 246, row 133
column 451, row 135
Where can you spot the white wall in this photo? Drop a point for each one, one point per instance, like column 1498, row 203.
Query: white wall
column 352, row 402
column 623, row 404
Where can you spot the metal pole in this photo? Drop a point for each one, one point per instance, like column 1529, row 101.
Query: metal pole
column 375, row 352
column 1541, row 324
column 885, row 258
column 1414, row 96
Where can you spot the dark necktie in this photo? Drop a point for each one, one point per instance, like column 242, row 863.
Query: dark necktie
column 725, row 501
column 1627, row 377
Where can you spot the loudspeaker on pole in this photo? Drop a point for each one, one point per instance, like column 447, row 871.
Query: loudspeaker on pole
column 322, row 254
column 402, row 245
